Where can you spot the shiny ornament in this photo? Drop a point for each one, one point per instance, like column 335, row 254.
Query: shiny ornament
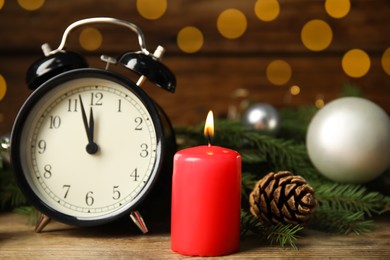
column 348, row 140
column 262, row 117
column 5, row 149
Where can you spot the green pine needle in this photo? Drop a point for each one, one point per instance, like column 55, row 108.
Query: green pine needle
column 341, row 221
column 284, row 235
column 10, row 194
column 30, row 212
column 349, row 197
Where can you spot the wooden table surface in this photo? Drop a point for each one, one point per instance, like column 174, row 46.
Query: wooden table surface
column 58, row 241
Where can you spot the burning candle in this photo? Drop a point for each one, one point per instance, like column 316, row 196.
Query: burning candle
column 206, row 199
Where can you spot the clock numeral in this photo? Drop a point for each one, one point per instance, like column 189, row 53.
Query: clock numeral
column 66, row 188
column 134, row 174
column 55, row 122
column 47, row 171
column 96, row 99
column 72, row 105
column 119, row 105
column 41, row 146
column 116, row 193
column 144, row 152
column 138, row 121
column 89, row 200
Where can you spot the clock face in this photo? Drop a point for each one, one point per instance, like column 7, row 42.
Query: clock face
column 54, row 133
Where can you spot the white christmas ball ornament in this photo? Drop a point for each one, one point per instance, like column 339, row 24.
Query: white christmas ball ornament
column 348, row 140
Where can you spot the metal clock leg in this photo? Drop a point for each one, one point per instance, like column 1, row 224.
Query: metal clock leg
column 139, row 221
column 42, row 221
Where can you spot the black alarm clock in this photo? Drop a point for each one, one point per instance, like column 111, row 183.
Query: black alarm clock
column 89, row 145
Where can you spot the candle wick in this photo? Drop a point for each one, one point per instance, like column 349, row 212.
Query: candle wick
column 209, row 140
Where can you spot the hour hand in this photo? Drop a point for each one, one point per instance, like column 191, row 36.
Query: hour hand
column 91, row 147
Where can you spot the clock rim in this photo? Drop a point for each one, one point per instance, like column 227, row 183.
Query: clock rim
column 19, row 125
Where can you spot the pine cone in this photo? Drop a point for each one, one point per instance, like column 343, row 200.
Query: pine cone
column 282, row 198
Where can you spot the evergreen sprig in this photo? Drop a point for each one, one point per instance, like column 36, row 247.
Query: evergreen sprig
column 284, row 235
column 352, row 198
column 341, row 221
column 10, row 195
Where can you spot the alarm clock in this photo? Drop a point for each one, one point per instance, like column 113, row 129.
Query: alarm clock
column 89, row 146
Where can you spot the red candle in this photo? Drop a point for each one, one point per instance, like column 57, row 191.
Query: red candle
column 206, row 200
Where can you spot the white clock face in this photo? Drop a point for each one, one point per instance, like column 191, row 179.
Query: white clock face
column 55, row 160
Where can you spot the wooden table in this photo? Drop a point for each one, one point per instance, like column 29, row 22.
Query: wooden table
column 58, row 241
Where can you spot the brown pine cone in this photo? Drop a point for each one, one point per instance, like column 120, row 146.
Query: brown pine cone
column 282, row 198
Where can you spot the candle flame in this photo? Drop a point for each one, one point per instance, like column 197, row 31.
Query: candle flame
column 209, row 126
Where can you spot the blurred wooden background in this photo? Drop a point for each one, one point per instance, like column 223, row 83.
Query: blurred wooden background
column 206, row 79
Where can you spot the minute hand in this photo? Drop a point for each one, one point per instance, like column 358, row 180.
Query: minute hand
column 91, row 147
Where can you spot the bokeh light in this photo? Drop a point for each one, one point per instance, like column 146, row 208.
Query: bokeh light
column 337, row 8
column 356, row 63
column 151, row 9
column 316, row 35
column 190, row 39
column 31, row 5
column 267, row 10
column 1, row 4
column 231, row 23
column 278, row 72
column 295, row 90
column 90, row 39
column 319, row 102
column 3, row 87
column 386, row 61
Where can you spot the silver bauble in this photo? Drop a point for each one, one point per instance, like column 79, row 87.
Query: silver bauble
column 5, row 149
column 262, row 117
column 348, row 140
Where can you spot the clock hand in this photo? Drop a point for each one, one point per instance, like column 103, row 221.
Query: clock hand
column 91, row 147
column 91, row 125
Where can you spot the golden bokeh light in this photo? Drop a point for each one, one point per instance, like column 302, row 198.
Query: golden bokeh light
column 386, row 61
column 151, row 9
column 3, row 87
column 356, row 63
column 90, row 39
column 1, row 4
column 278, row 72
column 232, row 23
column 31, row 5
column 267, row 10
column 190, row 39
column 295, row 90
column 337, row 8
column 319, row 102
column 316, row 35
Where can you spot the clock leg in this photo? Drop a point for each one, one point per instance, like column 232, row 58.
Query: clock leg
column 139, row 221
column 42, row 221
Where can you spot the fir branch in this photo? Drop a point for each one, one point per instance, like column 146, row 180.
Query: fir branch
column 340, row 221
column 11, row 196
column 30, row 212
column 295, row 121
column 349, row 197
column 284, row 235
column 248, row 181
column 351, row 90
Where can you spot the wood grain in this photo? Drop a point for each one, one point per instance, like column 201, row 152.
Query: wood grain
column 18, row 241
